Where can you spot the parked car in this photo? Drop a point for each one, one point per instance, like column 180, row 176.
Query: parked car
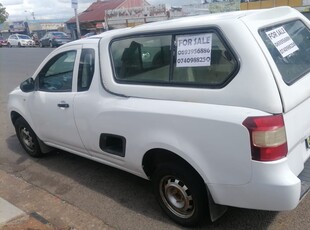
column 213, row 109
column 3, row 42
column 88, row 35
column 20, row 40
column 53, row 39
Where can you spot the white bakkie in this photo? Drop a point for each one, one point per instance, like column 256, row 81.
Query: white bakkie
column 213, row 109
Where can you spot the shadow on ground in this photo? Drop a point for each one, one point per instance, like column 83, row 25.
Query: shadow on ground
column 125, row 189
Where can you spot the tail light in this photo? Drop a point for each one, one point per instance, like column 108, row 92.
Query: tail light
column 268, row 137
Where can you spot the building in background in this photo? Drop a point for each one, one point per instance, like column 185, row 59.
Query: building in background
column 93, row 18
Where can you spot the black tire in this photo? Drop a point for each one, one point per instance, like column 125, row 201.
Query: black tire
column 181, row 193
column 27, row 138
column 9, row 45
column 19, row 45
column 41, row 45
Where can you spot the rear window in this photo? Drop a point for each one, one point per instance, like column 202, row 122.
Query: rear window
column 199, row 59
column 289, row 45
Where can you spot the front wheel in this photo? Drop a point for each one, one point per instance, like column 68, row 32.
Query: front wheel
column 181, row 193
column 27, row 138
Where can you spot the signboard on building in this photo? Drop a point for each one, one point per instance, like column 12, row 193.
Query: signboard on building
column 19, row 27
column 137, row 12
column 51, row 26
column 119, row 18
column 217, row 7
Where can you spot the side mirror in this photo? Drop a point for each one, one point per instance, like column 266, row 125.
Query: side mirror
column 27, row 86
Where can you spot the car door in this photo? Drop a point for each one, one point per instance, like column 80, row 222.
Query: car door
column 51, row 105
column 44, row 40
column 13, row 40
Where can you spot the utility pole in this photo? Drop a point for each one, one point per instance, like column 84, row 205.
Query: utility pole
column 74, row 4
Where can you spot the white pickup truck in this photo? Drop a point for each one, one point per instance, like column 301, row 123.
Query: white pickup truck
column 213, row 109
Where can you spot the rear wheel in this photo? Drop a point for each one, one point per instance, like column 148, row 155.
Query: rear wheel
column 181, row 193
column 19, row 45
column 27, row 138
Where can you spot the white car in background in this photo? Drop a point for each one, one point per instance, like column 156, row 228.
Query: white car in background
column 20, row 40
column 213, row 109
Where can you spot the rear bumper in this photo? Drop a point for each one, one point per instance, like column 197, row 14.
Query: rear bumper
column 273, row 187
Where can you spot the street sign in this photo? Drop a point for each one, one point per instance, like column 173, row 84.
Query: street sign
column 74, row 4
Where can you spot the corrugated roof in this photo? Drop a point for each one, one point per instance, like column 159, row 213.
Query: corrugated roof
column 96, row 11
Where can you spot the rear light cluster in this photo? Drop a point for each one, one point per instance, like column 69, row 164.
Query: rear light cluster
column 268, row 137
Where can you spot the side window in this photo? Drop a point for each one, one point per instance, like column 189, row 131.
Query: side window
column 56, row 75
column 196, row 59
column 86, row 69
column 144, row 59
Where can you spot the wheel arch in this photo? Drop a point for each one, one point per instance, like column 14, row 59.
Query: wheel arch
column 44, row 148
column 156, row 156
column 14, row 116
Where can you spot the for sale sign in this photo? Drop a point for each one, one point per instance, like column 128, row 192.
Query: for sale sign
column 282, row 41
column 194, row 50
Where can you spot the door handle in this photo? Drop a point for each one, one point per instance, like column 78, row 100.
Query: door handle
column 63, row 105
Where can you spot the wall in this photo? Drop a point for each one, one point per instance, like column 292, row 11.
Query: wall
column 270, row 4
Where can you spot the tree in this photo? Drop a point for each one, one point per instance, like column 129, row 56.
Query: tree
column 3, row 14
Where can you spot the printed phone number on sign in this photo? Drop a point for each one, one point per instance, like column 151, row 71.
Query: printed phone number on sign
column 193, row 51
column 193, row 60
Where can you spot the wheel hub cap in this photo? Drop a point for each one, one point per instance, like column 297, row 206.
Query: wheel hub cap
column 27, row 139
column 177, row 197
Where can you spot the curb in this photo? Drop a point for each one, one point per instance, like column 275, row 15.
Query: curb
column 8, row 212
column 30, row 223
column 39, row 209
column 13, row 218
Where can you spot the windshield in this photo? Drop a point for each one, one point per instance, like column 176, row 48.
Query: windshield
column 60, row 35
column 289, row 45
column 23, row 37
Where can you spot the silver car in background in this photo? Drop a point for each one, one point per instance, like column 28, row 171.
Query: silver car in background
column 54, row 39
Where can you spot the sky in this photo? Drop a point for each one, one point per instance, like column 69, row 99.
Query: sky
column 59, row 9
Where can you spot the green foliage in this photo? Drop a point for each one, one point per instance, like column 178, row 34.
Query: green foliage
column 3, row 14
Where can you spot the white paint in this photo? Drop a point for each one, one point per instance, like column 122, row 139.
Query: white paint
column 8, row 211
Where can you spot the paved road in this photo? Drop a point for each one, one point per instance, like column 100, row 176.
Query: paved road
column 120, row 200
